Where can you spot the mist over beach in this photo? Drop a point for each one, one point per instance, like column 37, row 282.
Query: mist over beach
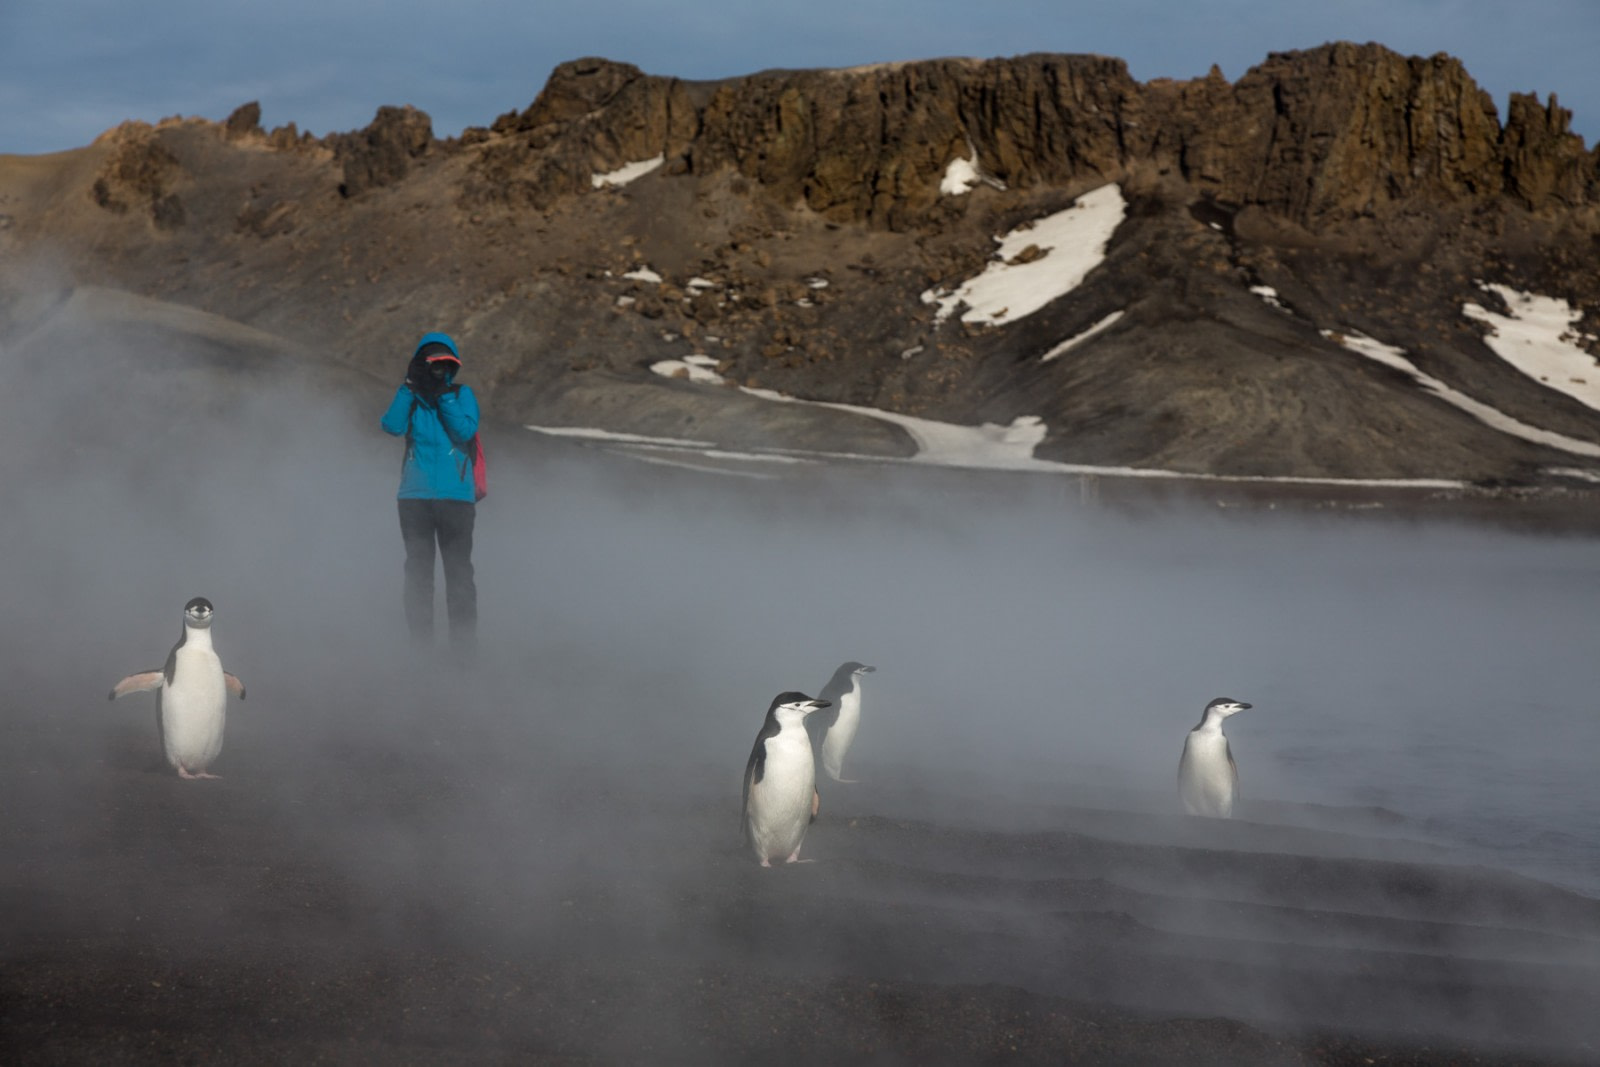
column 568, row 804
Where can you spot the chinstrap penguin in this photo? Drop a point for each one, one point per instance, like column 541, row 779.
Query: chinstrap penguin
column 1208, row 779
column 780, row 780
column 191, row 694
column 836, row 728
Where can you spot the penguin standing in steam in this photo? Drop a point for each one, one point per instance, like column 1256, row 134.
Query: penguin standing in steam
column 780, row 780
column 836, row 729
column 191, row 694
column 1208, row 779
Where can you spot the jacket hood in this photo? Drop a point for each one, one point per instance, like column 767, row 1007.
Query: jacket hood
column 437, row 339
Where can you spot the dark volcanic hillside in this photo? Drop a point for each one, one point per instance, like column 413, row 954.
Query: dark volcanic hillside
column 797, row 218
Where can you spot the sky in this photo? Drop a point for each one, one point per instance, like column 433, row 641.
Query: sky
column 70, row 69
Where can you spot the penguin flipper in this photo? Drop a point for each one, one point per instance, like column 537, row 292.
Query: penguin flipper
column 752, row 775
column 756, row 767
column 143, row 682
column 235, row 686
column 818, row 723
column 1233, row 774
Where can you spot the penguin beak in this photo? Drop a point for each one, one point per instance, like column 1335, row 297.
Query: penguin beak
column 818, row 705
column 1243, row 705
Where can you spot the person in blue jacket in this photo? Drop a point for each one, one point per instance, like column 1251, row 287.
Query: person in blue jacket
column 438, row 419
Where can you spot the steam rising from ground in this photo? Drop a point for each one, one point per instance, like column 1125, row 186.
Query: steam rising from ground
column 635, row 623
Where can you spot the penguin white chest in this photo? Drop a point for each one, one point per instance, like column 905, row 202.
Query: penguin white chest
column 780, row 803
column 842, row 732
column 194, row 709
column 1208, row 784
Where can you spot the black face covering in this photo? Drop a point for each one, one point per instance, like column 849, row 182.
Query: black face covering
column 417, row 371
column 429, row 379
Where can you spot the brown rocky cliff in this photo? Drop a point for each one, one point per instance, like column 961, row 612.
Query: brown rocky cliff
column 1346, row 129
column 1315, row 136
column 866, row 145
column 872, row 145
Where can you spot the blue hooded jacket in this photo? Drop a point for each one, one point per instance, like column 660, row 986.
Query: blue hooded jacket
column 438, row 462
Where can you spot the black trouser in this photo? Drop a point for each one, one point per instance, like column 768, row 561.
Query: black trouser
column 450, row 523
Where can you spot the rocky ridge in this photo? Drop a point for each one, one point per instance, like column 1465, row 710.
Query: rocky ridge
column 795, row 218
column 1315, row 138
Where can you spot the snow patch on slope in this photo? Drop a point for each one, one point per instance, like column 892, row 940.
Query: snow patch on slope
column 626, row 173
column 1269, row 294
column 696, row 368
column 960, row 176
column 1072, row 342
column 1540, row 338
column 1065, row 247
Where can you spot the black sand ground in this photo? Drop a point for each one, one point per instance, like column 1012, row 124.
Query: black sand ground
column 418, row 887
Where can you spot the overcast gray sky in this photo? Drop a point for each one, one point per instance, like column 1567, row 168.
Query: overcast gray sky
column 70, row 69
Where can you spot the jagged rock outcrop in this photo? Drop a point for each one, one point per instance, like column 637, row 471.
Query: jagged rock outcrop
column 382, row 153
column 592, row 117
column 244, row 123
column 1544, row 160
column 139, row 174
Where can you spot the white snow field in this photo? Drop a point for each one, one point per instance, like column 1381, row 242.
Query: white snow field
column 1540, row 338
column 1073, row 243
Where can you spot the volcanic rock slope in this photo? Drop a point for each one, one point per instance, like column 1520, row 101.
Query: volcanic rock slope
column 810, row 233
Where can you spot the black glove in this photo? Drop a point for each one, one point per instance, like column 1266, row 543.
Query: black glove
column 422, row 380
